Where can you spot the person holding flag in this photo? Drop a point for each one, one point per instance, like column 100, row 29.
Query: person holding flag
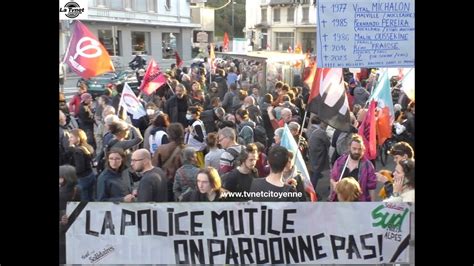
column 131, row 104
column 355, row 165
column 288, row 141
column 153, row 78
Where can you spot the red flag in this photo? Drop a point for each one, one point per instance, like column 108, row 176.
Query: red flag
column 367, row 131
column 153, row 78
column 85, row 55
column 179, row 62
column 226, row 42
column 328, row 98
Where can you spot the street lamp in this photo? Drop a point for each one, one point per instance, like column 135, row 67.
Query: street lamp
column 233, row 3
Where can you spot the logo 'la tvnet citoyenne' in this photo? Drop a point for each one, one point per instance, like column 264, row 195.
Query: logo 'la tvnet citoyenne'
column 72, row 9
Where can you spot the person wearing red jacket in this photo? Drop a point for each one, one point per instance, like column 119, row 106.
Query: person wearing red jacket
column 75, row 101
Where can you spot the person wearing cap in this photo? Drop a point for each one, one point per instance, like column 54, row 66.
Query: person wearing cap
column 86, row 118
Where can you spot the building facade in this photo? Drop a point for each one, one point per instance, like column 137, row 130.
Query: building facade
column 205, row 18
column 278, row 25
column 154, row 28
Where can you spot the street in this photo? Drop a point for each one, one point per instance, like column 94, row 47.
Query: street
column 70, row 87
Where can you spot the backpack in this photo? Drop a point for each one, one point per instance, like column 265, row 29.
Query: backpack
column 343, row 141
column 235, row 154
column 248, row 138
column 260, row 135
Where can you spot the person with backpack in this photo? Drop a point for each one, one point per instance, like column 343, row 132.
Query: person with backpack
column 185, row 178
column 341, row 140
column 240, row 178
column 278, row 158
column 167, row 156
column 227, row 140
column 245, row 127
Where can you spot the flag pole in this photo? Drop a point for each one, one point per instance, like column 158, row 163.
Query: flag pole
column 171, row 89
column 345, row 165
column 302, row 126
column 404, row 76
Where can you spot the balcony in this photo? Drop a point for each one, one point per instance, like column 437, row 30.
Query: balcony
column 281, row 2
column 134, row 17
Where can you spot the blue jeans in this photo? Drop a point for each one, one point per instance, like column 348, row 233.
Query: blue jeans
column 86, row 185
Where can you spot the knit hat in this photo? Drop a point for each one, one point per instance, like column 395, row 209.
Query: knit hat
column 85, row 96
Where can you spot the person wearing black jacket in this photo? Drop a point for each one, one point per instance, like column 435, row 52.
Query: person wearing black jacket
column 153, row 185
column 208, row 187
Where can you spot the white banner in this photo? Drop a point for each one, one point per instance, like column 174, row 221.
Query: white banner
column 237, row 233
column 366, row 33
column 130, row 102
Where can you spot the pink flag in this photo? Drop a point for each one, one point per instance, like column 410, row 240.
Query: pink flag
column 153, row 78
column 85, row 55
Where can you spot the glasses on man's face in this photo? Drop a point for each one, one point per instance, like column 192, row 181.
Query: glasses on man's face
column 115, row 159
column 137, row 160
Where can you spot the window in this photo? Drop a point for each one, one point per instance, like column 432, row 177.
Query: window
column 140, row 5
column 309, row 41
column 169, row 44
column 305, row 14
column 116, row 4
column 276, row 15
column 106, row 38
column 291, row 14
column 152, row 6
column 100, row 3
column 140, row 42
column 264, row 15
column 128, row 4
column 284, row 40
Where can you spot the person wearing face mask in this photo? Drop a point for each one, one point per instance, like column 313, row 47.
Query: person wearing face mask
column 196, row 133
column 146, row 120
column 177, row 106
